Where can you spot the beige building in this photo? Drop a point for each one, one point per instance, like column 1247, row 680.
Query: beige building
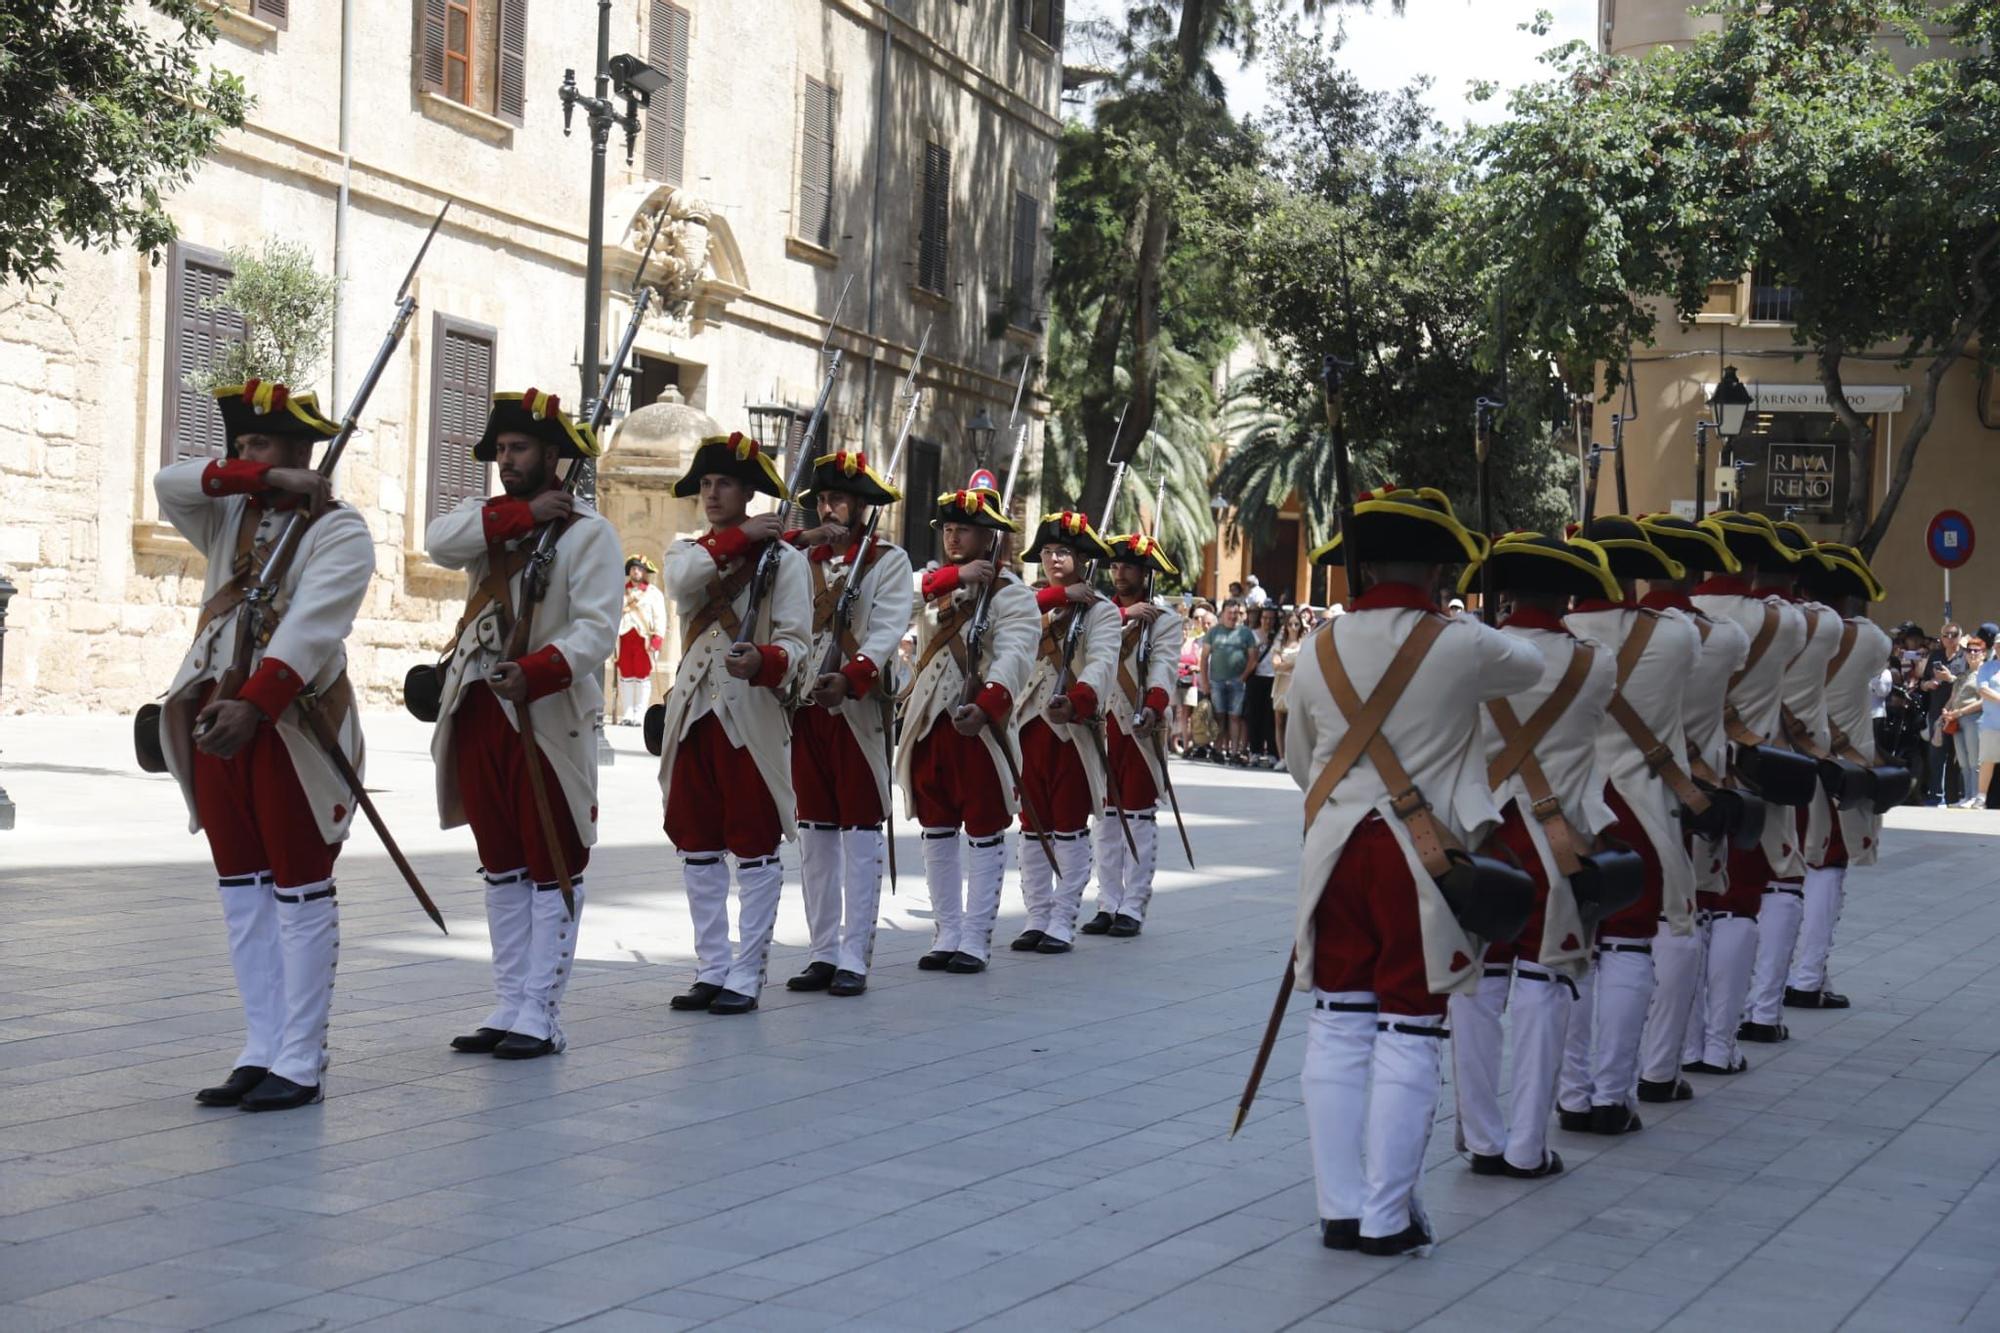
column 907, row 147
column 1794, row 445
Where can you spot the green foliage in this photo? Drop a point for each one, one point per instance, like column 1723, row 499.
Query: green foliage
column 287, row 309
column 100, row 117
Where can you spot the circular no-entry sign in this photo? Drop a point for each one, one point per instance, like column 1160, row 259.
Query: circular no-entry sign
column 1949, row 538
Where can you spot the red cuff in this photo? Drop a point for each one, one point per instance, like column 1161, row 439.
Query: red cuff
column 772, row 673
column 791, row 536
column 272, row 687
column 233, row 476
column 504, row 518
column 940, row 581
column 861, row 675
column 1050, row 597
column 726, row 545
column 1156, row 699
column 1084, row 700
column 547, row 671
column 996, row 703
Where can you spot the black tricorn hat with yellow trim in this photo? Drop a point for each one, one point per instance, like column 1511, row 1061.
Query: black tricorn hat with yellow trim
column 1067, row 528
column 1699, row 546
column 849, row 472
column 1398, row 523
column 1136, row 548
column 266, row 407
column 1754, row 540
column 532, row 412
column 1630, row 550
column 979, row 508
column 642, row 562
column 733, row 455
column 1836, row 570
column 1546, row 565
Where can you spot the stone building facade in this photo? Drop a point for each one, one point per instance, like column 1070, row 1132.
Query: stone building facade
column 905, row 147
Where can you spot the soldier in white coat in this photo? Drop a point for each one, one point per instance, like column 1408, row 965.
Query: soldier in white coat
column 725, row 758
column 1062, row 756
column 1377, row 946
column 1656, row 652
column 1540, row 748
column 483, row 777
column 642, row 628
column 1148, row 658
column 958, row 738
column 840, row 756
column 273, row 804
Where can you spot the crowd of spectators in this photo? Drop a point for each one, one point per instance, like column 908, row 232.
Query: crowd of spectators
column 1235, row 671
column 1938, row 712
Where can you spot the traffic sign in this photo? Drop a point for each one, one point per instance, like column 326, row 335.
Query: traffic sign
column 1949, row 539
column 983, row 480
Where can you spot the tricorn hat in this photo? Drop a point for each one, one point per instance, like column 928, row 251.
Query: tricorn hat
column 1136, row 548
column 733, row 455
column 1835, row 570
column 266, row 407
column 1697, row 545
column 1542, row 563
column 636, row 559
column 1630, row 549
column 849, row 472
column 980, row 508
column 1067, row 528
column 1753, row 539
column 532, row 412
column 1399, row 523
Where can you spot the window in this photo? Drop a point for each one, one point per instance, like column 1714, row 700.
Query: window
column 666, row 117
column 1043, row 19
column 921, row 489
column 1021, row 273
column 475, row 52
column 815, row 218
column 192, row 426
column 277, row 13
column 461, row 395
column 934, row 220
column 1772, row 300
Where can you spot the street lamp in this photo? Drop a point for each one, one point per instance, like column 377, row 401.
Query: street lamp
column 7, row 591
column 979, row 433
column 772, row 424
column 1730, row 407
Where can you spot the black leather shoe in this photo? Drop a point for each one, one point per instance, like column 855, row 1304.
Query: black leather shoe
column 1026, row 941
column 230, row 1091
column 817, row 976
column 847, row 983
column 481, row 1042
column 520, row 1046
column 1340, row 1233
column 1552, row 1164
column 732, row 1002
column 1704, row 1067
column 1100, row 925
column 934, row 961
column 1123, row 926
column 1411, row 1237
column 1814, row 999
column 1050, row 944
column 1614, row 1120
column 275, row 1093
column 1488, row 1164
column 1768, row 1033
column 698, row 996
column 1577, row 1122
column 965, row 964
column 1665, row 1090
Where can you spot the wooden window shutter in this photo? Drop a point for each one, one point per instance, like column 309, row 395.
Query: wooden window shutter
column 816, row 165
column 192, row 427
column 666, row 118
column 933, row 246
column 430, row 44
column 1027, row 240
column 512, row 85
column 461, row 395
column 277, row 13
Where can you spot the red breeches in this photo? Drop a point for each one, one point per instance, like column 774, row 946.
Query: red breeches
column 717, row 800
column 1052, row 777
column 953, row 782
column 256, row 814
column 499, row 801
column 1368, row 935
column 1130, row 778
column 830, row 775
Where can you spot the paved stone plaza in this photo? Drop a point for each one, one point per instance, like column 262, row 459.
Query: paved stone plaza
column 1040, row 1147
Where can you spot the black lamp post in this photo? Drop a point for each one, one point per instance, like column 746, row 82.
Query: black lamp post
column 7, row 591
column 979, row 433
column 1730, row 408
column 772, row 423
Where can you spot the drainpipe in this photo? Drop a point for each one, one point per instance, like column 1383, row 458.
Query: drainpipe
column 875, row 216
column 340, row 238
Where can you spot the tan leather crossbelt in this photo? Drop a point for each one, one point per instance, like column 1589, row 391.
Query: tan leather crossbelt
column 1658, row 756
column 720, row 606
column 1519, row 755
column 1732, row 721
column 1128, row 640
column 944, row 637
column 1850, row 634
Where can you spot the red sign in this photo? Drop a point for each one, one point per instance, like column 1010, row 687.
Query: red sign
column 1949, row 538
column 983, row 480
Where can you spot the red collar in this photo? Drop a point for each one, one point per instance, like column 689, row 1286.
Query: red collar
column 1723, row 585
column 1390, row 596
column 1660, row 599
column 1599, row 604
column 1534, row 617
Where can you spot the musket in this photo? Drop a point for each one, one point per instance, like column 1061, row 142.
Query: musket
column 1145, row 663
column 259, row 599
column 535, row 576
column 1618, row 420
column 1485, row 424
column 1595, row 460
column 1074, row 636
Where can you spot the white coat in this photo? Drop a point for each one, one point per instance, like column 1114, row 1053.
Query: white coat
column 1757, row 695
column 882, row 612
column 753, row 717
column 1095, row 664
column 1011, row 639
column 1160, row 672
column 578, row 614
column 644, row 610
column 1434, row 732
column 1804, row 692
column 322, row 589
column 1848, row 705
column 1723, row 649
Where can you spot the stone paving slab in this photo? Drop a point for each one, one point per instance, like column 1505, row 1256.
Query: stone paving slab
column 1038, row 1147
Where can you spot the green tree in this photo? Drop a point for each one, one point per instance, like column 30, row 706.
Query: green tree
column 287, row 310
column 101, row 115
